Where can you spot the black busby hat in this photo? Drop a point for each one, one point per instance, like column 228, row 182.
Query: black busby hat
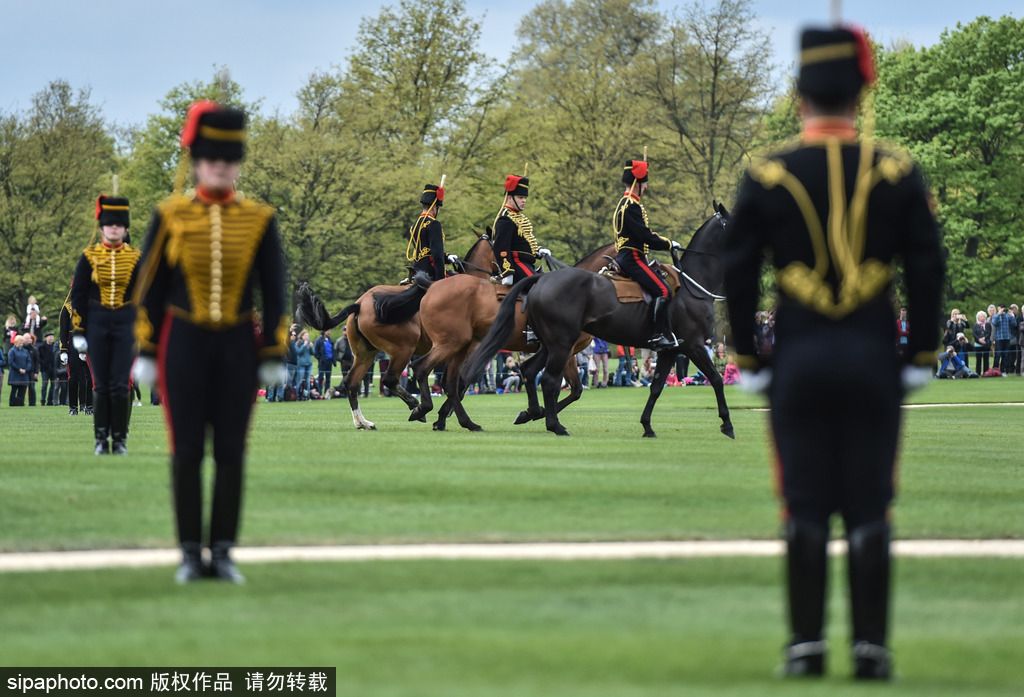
column 834, row 65
column 214, row 132
column 634, row 171
column 112, row 211
column 517, row 186
column 432, row 194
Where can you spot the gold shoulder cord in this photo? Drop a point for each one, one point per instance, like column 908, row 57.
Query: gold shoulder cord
column 859, row 280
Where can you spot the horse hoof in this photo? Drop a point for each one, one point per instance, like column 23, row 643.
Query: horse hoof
column 727, row 430
column 438, row 427
column 473, row 428
column 560, row 431
column 418, row 417
column 523, row 418
column 650, row 434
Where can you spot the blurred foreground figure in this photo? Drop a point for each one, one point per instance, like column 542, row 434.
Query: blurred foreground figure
column 835, row 212
column 206, row 252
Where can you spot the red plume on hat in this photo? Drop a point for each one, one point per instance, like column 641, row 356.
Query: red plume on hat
column 511, row 182
column 99, row 206
column 865, row 57
column 639, row 169
column 191, row 128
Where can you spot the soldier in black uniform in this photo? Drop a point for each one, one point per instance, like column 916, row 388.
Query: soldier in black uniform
column 833, row 212
column 515, row 248
column 79, row 378
column 103, row 321
column 633, row 239
column 426, row 238
column 206, row 254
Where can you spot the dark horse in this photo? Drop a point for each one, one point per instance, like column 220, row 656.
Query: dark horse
column 456, row 313
column 564, row 304
column 384, row 318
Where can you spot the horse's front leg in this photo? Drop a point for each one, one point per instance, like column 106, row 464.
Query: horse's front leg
column 666, row 360
column 704, row 363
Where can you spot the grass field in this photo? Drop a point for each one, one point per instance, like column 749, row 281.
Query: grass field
column 645, row 627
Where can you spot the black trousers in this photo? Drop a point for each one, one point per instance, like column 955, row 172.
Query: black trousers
column 111, row 349
column 207, row 383
column 634, row 264
column 79, row 381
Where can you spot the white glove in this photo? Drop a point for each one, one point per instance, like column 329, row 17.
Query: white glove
column 82, row 357
column 453, row 259
column 63, row 356
column 80, row 344
column 676, row 245
column 542, row 252
column 914, row 377
column 272, row 373
column 144, row 371
column 507, row 281
column 756, row 381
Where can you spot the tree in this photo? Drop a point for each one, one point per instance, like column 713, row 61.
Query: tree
column 52, row 161
column 711, row 82
column 957, row 107
column 572, row 113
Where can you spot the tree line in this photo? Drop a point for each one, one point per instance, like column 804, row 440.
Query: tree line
column 589, row 84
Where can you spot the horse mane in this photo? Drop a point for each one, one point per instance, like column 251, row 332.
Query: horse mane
column 590, row 254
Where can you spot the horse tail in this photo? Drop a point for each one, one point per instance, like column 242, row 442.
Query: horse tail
column 396, row 308
column 499, row 333
column 311, row 311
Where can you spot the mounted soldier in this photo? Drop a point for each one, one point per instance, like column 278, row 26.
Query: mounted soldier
column 633, row 239
column 425, row 250
column 515, row 247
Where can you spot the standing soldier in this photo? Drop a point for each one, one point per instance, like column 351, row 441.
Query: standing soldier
column 633, row 239
column 426, row 238
column 103, row 319
column 206, row 254
column 834, row 213
column 515, row 248
column 79, row 378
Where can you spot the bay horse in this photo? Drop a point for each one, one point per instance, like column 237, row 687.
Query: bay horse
column 456, row 313
column 384, row 318
column 564, row 304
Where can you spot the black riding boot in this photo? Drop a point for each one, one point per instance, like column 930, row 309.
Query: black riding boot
column 807, row 576
column 101, row 422
column 661, row 339
column 191, row 568
column 119, row 425
column 869, row 599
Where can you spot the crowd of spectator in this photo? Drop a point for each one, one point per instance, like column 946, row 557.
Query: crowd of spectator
column 993, row 340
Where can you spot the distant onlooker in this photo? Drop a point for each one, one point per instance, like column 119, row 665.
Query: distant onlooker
column 1003, row 324
column 1015, row 341
column 19, row 365
column 902, row 334
column 513, row 376
column 982, row 331
column 47, row 371
column 600, row 362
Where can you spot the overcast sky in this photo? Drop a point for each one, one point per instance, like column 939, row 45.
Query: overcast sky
column 130, row 53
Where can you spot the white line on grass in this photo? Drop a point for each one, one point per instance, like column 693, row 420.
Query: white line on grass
column 546, row 551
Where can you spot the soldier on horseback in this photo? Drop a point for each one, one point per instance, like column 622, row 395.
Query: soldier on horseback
column 426, row 238
column 633, row 238
column 515, row 248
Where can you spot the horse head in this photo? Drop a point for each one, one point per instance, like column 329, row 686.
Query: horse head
column 700, row 259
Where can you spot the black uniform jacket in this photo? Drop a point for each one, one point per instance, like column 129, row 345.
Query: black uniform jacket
column 513, row 234
column 201, row 262
column 426, row 240
column 834, row 215
column 104, row 278
column 632, row 229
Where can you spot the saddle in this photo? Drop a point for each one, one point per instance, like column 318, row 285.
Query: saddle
column 628, row 290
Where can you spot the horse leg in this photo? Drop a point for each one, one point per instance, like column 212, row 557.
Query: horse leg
column 551, row 385
column 530, row 367
column 422, row 368
column 455, row 393
column 352, row 383
column 572, row 376
column 704, row 363
column 666, row 359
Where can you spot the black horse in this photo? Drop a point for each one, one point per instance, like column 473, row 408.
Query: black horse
column 570, row 301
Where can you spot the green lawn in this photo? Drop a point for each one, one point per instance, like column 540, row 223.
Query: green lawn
column 676, row 627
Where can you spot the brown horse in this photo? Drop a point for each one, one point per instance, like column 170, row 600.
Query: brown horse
column 455, row 314
column 561, row 305
column 384, row 318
